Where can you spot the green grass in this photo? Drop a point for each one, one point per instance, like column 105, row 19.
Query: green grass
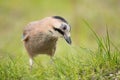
column 76, row 63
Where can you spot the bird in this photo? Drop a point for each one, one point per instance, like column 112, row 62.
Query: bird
column 41, row 36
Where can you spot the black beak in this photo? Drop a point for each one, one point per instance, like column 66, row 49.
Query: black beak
column 68, row 39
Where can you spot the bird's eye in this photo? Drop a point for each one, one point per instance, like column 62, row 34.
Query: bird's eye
column 64, row 27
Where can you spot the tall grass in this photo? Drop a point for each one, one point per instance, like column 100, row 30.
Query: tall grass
column 77, row 64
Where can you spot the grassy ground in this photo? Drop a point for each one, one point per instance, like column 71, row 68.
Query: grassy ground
column 94, row 54
column 75, row 63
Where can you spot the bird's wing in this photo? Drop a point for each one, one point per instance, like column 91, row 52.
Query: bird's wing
column 26, row 32
column 25, row 37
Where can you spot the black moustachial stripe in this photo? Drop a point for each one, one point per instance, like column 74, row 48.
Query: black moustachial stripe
column 60, row 18
column 60, row 31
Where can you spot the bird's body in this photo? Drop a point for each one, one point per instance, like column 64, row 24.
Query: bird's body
column 38, row 44
column 40, row 37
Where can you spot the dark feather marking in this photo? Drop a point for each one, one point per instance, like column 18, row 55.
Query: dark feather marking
column 60, row 31
column 60, row 18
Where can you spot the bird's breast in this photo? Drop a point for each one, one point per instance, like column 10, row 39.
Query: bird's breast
column 41, row 43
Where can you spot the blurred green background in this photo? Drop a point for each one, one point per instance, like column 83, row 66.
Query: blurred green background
column 16, row 14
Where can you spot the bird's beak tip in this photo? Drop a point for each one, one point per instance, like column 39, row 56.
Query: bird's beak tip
column 68, row 39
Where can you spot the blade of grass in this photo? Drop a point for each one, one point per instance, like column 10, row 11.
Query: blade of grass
column 108, row 44
column 97, row 37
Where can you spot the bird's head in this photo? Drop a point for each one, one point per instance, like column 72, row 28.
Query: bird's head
column 61, row 28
